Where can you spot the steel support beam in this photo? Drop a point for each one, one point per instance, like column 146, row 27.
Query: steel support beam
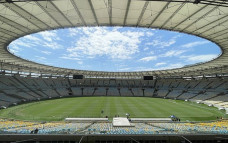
column 142, row 12
column 14, row 24
column 27, row 16
column 110, row 11
column 126, row 13
column 78, row 12
column 94, row 13
column 176, row 11
column 189, row 16
column 167, row 4
column 198, row 19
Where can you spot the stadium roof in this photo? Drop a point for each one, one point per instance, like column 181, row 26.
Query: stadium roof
column 203, row 18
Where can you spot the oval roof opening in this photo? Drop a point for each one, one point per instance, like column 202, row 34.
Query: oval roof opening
column 114, row 49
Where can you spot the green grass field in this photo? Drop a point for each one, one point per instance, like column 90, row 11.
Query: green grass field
column 58, row 109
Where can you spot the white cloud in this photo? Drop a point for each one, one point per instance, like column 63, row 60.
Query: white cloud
column 49, row 35
column 102, row 42
column 199, row 58
column 48, row 63
column 73, row 31
column 124, row 69
column 69, row 58
column 46, row 52
column 193, row 44
column 151, row 52
column 31, row 38
column 14, row 49
column 143, row 69
column 80, row 62
column 162, row 44
column 160, row 64
column 28, row 41
column 48, row 39
column 40, row 58
column 172, row 53
column 170, row 66
column 21, row 43
column 52, row 45
column 149, row 34
column 146, row 48
column 17, row 46
column 149, row 58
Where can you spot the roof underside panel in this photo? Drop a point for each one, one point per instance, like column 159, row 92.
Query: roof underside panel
column 194, row 16
column 27, row 15
column 55, row 13
column 69, row 12
column 118, row 11
column 152, row 11
column 168, row 11
column 134, row 12
column 86, row 12
column 15, row 20
column 101, row 10
column 39, row 13
column 22, row 18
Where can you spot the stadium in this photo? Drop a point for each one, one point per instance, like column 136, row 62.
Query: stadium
column 43, row 103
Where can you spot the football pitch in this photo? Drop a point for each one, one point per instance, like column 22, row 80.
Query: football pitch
column 140, row 107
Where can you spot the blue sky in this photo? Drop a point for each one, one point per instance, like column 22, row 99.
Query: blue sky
column 114, row 49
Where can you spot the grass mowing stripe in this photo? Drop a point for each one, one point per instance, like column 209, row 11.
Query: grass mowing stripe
column 119, row 107
column 89, row 106
column 158, row 107
column 152, row 105
column 112, row 105
column 102, row 107
column 141, row 107
column 77, row 108
column 127, row 108
column 107, row 106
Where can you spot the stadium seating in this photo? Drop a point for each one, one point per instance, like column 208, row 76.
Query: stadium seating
column 15, row 89
column 113, row 91
column 100, row 91
column 174, row 93
column 23, row 127
column 148, row 92
column 162, row 92
column 88, row 91
column 137, row 91
column 204, row 96
column 125, row 92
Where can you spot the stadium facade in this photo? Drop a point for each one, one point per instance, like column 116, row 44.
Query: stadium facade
column 23, row 81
